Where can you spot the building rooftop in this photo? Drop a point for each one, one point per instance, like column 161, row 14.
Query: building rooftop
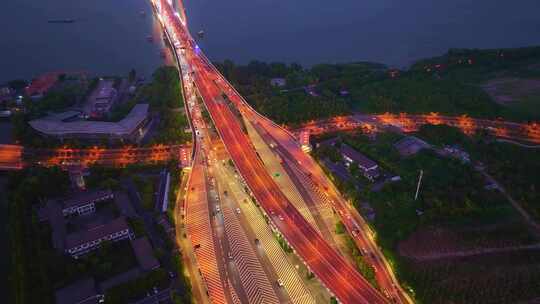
column 51, row 125
column 80, row 292
column 410, row 145
column 94, row 233
column 52, row 212
column 84, row 197
column 357, row 157
column 123, row 203
column 144, row 254
column 329, row 142
column 42, row 84
column 105, row 89
column 278, row 82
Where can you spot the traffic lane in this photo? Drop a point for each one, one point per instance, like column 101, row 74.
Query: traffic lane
column 277, row 206
column 350, row 275
column 303, row 228
column 206, row 86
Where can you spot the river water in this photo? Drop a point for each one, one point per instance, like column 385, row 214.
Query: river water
column 395, row 32
column 109, row 36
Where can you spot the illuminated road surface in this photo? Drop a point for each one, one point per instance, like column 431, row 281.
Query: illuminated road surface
column 339, row 276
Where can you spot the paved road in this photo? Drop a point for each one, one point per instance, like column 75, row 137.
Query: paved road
column 348, row 285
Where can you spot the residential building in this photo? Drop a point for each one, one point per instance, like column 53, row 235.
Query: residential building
column 6, row 94
column 457, row 152
column 102, row 98
column 278, row 82
column 42, row 84
column 84, row 202
column 52, row 212
column 144, row 254
column 311, row 90
column 80, row 292
column 328, row 142
column 410, row 145
column 121, row 278
column 82, row 242
column 164, row 222
column 123, row 204
column 369, row 168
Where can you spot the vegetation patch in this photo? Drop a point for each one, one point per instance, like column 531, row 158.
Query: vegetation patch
column 453, row 213
column 137, row 288
column 494, row 278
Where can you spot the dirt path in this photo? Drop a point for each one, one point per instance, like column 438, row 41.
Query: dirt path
column 518, row 143
column 535, row 228
column 467, row 253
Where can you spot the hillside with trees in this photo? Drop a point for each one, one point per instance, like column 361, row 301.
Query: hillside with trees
column 453, row 84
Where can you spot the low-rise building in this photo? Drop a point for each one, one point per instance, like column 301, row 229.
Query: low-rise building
column 82, row 242
column 163, row 191
column 102, row 98
column 456, row 152
column 144, row 254
column 64, row 126
column 278, row 82
column 42, row 84
column 328, row 142
column 369, row 168
column 123, row 204
column 85, row 202
column 80, row 292
column 6, row 94
column 52, row 212
column 410, row 145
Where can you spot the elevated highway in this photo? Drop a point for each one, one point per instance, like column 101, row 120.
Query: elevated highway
column 14, row 157
column 523, row 132
column 331, row 268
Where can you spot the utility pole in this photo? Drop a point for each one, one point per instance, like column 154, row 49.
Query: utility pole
column 419, row 182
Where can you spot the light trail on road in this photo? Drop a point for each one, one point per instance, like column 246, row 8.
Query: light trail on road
column 331, row 268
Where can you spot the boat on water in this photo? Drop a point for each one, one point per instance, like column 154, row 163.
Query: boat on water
column 61, row 20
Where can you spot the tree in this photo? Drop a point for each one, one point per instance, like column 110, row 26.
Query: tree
column 18, row 84
column 132, row 76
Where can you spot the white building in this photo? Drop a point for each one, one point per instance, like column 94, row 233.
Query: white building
column 369, row 168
